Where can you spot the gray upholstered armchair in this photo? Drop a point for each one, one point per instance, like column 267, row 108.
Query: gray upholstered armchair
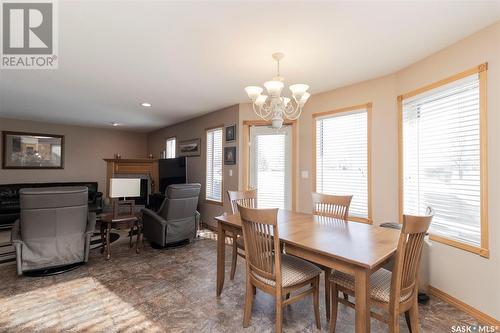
column 54, row 228
column 177, row 219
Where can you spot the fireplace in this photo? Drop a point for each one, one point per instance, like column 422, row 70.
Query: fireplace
column 144, row 169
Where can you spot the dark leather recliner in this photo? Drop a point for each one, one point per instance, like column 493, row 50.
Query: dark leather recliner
column 177, row 219
column 54, row 228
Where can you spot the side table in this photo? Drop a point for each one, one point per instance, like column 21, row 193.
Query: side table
column 107, row 222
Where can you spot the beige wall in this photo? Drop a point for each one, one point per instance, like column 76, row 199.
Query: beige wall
column 464, row 275
column 84, row 149
column 196, row 128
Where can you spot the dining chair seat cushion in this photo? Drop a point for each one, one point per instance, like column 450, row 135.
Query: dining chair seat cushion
column 240, row 243
column 293, row 271
column 380, row 284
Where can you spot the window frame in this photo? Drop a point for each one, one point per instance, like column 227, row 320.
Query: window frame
column 207, row 130
column 368, row 107
column 166, row 146
column 481, row 70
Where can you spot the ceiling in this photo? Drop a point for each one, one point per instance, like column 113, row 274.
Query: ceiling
column 190, row 58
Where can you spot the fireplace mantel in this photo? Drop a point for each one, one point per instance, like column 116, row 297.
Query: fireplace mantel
column 139, row 166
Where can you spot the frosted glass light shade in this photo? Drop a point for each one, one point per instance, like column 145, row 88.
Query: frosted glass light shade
column 253, row 92
column 298, row 90
column 261, row 100
column 304, row 98
column 124, row 187
column 274, row 87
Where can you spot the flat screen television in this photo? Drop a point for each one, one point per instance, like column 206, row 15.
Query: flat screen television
column 171, row 171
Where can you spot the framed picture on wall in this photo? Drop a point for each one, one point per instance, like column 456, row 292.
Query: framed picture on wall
column 230, row 133
column 229, row 155
column 32, row 151
column 190, row 147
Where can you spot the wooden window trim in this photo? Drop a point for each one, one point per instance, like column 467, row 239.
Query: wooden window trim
column 215, row 202
column 481, row 69
column 211, row 201
column 369, row 109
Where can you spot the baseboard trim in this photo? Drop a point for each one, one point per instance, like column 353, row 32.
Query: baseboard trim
column 480, row 316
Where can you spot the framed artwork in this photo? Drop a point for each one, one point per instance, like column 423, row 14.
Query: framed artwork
column 229, row 155
column 190, row 147
column 230, row 133
column 32, row 151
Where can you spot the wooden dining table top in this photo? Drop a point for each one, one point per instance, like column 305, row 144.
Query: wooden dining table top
column 360, row 244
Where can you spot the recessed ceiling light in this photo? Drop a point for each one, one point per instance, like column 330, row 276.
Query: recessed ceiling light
column 114, row 124
column 146, row 104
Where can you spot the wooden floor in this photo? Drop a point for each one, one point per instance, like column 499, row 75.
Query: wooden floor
column 165, row 291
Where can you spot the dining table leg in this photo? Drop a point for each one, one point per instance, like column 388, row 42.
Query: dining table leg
column 362, row 292
column 328, row 272
column 221, row 257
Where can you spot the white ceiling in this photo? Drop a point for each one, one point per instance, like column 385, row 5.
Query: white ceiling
column 190, row 58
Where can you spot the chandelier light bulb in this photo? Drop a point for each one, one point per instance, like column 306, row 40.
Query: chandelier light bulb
column 304, row 98
column 286, row 100
column 253, row 92
column 274, row 87
column 298, row 90
column 261, row 99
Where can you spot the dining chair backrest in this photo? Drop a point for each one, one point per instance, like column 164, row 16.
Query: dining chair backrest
column 262, row 246
column 331, row 205
column 408, row 254
column 243, row 198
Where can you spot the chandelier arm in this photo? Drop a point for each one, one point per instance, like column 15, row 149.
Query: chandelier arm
column 259, row 112
column 293, row 113
column 297, row 116
column 291, row 110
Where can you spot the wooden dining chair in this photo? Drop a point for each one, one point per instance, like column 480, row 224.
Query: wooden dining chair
column 395, row 292
column 331, row 205
column 270, row 270
column 336, row 206
column 246, row 199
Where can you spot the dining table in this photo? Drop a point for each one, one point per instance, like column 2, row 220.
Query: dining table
column 354, row 248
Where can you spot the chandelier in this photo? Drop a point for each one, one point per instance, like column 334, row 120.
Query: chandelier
column 273, row 106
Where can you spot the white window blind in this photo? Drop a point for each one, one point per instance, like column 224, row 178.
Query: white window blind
column 342, row 158
column 214, row 165
column 170, row 149
column 441, row 159
column 271, row 170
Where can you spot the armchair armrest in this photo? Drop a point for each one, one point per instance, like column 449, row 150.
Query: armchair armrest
column 89, row 231
column 15, row 237
column 148, row 214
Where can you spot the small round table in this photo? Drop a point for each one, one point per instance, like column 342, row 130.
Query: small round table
column 108, row 221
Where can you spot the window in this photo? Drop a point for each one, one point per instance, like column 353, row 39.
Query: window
column 214, row 165
column 271, row 166
column 170, row 150
column 342, row 157
column 442, row 159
